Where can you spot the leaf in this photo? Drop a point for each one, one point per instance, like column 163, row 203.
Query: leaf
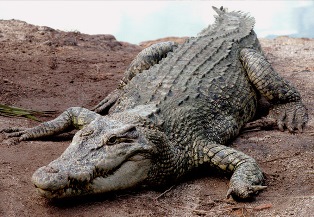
column 10, row 111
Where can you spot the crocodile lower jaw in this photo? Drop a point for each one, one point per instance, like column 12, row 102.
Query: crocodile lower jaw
column 58, row 193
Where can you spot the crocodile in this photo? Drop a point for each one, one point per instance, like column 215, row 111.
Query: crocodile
column 176, row 109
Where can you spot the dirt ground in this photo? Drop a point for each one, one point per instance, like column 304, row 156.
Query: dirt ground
column 46, row 69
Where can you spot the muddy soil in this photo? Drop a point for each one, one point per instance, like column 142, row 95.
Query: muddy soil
column 46, row 69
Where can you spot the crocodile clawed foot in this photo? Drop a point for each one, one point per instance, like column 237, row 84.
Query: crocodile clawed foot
column 244, row 191
column 13, row 135
column 291, row 115
column 102, row 106
column 106, row 103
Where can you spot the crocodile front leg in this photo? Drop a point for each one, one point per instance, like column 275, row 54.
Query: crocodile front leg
column 143, row 61
column 75, row 117
column 247, row 177
column 288, row 110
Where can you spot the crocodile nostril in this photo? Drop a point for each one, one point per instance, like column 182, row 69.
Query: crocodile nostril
column 49, row 169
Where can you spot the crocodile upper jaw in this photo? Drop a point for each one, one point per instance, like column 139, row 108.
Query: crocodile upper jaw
column 59, row 184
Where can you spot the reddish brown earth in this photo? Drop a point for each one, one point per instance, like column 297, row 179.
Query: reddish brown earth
column 45, row 69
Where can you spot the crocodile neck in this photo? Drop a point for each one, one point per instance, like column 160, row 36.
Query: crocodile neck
column 170, row 161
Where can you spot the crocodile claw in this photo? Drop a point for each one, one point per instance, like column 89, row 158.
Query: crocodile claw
column 244, row 191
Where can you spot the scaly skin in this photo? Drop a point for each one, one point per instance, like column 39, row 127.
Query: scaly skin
column 175, row 110
column 143, row 61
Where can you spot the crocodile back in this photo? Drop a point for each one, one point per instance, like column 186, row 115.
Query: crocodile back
column 204, row 76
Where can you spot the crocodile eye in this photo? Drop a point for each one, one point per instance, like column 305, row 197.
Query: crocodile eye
column 112, row 140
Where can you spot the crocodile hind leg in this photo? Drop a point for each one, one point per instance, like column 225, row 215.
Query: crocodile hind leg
column 247, row 178
column 143, row 61
column 75, row 117
column 288, row 110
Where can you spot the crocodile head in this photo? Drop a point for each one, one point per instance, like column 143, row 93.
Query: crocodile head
column 104, row 156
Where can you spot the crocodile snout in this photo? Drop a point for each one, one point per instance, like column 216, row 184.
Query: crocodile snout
column 50, row 178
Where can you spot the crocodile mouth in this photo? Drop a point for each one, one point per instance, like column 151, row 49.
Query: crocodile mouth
column 100, row 181
column 74, row 186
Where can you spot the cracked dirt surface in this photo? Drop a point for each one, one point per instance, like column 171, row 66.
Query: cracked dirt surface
column 46, row 69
